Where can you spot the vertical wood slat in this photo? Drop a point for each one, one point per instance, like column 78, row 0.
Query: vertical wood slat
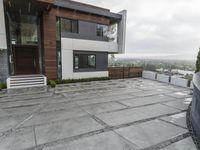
column 125, row 72
column 49, row 41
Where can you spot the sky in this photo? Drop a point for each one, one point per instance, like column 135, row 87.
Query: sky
column 159, row 28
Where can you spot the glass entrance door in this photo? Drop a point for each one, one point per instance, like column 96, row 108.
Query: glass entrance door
column 24, row 44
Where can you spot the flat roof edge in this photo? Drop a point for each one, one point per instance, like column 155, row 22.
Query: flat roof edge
column 87, row 8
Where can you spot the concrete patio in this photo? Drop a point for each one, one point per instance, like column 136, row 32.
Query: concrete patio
column 125, row 114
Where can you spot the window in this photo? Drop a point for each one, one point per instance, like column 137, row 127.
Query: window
column 101, row 30
column 68, row 25
column 84, row 61
column 24, row 30
column 58, row 29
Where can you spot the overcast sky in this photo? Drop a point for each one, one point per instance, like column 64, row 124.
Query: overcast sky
column 167, row 28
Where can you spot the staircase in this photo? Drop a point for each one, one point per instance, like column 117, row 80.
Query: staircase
column 23, row 81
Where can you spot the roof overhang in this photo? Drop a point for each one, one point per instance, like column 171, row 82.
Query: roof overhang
column 32, row 7
column 77, row 6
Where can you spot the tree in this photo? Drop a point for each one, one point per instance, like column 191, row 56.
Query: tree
column 198, row 62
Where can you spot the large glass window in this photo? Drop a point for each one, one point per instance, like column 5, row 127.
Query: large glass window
column 101, row 30
column 68, row 25
column 24, row 30
column 84, row 61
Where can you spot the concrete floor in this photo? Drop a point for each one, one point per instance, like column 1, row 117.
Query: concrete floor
column 125, row 114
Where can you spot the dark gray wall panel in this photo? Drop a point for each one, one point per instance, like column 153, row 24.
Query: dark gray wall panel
column 87, row 31
column 3, row 65
column 101, row 61
column 195, row 110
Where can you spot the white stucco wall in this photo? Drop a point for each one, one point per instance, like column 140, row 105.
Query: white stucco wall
column 122, row 31
column 67, row 47
column 3, row 42
column 163, row 78
column 179, row 81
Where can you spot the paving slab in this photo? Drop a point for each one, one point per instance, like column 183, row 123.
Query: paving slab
column 58, row 106
column 18, row 140
column 185, row 144
column 69, row 128
column 181, row 104
column 48, row 117
column 180, row 94
column 37, row 101
column 7, row 123
column 149, row 93
column 103, row 141
column 178, row 119
column 149, row 133
column 24, row 96
column 93, row 101
column 103, row 107
column 15, row 111
column 135, row 114
column 146, row 100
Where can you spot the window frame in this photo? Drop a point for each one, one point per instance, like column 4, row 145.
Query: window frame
column 88, row 66
column 71, row 25
column 97, row 27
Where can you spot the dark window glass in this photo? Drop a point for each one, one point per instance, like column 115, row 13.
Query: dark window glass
column 68, row 25
column 84, row 61
column 58, row 29
column 74, row 26
column 25, row 31
column 101, row 30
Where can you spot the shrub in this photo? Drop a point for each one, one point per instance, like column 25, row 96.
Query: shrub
column 52, row 83
column 3, row 86
column 198, row 62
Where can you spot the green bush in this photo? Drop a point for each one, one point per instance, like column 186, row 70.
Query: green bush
column 52, row 83
column 3, row 86
column 198, row 62
column 65, row 81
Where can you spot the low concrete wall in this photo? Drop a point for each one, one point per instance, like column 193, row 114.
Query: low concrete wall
column 179, row 82
column 167, row 79
column 125, row 72
column 149, row 75
column 163, row 78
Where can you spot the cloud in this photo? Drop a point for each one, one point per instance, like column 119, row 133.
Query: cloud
column 159, row 26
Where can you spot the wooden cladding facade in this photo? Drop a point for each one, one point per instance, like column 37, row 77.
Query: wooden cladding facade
column 49, row 43
column 79, row 16
column 49, row 35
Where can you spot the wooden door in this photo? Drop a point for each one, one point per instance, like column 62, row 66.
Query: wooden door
column 25, row 59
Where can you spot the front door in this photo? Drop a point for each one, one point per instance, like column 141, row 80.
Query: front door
column 25, row 59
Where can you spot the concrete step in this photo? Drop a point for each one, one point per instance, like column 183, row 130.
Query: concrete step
column 24, row 81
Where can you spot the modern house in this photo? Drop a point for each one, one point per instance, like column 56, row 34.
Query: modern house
column 56, row 39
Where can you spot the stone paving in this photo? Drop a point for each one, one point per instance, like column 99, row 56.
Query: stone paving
column 125, row 114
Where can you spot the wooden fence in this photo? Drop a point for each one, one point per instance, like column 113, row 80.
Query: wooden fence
column 125, row 72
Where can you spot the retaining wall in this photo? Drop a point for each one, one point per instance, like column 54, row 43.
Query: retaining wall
column 167, row 79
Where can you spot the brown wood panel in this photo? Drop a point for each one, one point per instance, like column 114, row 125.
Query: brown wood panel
column 26, row 59
column 65, row 13
column 49, row 43
column 125, row 72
